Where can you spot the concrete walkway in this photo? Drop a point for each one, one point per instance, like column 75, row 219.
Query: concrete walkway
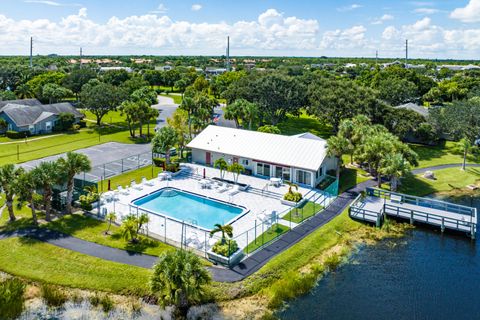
column 444, row 166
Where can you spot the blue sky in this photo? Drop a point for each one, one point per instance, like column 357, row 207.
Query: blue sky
column 435, row 29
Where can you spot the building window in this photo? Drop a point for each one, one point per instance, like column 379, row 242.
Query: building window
column 263, row 169
column 281, row 172
column 245, row 162
column 319, row 173
column 304, row 177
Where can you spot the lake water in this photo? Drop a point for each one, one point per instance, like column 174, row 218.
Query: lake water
column 425, row 275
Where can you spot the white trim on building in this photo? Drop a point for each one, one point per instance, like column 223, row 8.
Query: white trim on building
column 301, row 159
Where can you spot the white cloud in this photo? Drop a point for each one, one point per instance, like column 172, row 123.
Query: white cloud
column 196, row 7
column 426, row 11
column 160, row 9
column 271, row 32
column 470, row 13
column 429, row 40
column 350, row 7
column 350, row 38
column 52, row 3
column 382, row 19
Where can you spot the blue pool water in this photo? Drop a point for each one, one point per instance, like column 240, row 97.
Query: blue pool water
column 189, row 207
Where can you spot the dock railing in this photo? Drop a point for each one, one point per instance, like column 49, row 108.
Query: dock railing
column 422, row 202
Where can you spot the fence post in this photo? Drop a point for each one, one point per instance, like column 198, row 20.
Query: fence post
column 122, row 165
column 262, row 232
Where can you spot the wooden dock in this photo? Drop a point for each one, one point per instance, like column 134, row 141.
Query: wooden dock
column 376, row 204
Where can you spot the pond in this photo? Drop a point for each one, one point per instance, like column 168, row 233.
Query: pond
column 425, row 275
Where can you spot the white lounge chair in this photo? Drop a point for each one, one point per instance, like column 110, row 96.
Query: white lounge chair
column 136, row 186
column 122, row 191
column 234, row 191
column 222, row 189
column 108, row 196
column 146, row 182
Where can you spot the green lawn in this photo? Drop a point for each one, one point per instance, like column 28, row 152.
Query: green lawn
column 303, row 212
column 92, row 230
column 271, row 233
column 446, row 180
column 176, row 98
column 43, row 262
column 112, row 117
column 442, row 154
column 304, row 123
column 86, row 228
column 126, row 178
column 350, row 177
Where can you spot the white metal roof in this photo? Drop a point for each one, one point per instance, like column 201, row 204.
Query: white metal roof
column 293, row 151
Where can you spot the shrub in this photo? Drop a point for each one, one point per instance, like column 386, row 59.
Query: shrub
column 291, row 286
column 226, row 249
column 94, row 300
column 159, row 162
column 82, row 123
column 76, row 127
column 16, row 135
column 11, row 298
column 332, row 262
column 293, row 196
column 107, row 303
column 173, row 167
column 269, row 129
column 52, row 296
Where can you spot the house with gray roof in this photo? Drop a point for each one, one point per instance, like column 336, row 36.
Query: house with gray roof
column 33, row 117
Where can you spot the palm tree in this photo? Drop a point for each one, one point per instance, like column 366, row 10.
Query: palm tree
column 141, row 221
column 222, row 165
column 179, row 279
column 226, row 230
column 188, row 104
column 346, row 129
column 129, row 228
column 164, row 140
column 110, row 218
column 250, row 113
column 465, row 145
column 47, row 175
column 396, row 167
column 73, row 164
column 24, row 92
column 26, row 187
column 236, row 169
column 292, row 186
column 8, row 181
column 337, row 147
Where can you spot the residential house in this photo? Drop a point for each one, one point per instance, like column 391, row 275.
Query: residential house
column 31, row 116
column 301, row 159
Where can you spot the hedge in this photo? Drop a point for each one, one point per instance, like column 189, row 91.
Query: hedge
column 16, row 135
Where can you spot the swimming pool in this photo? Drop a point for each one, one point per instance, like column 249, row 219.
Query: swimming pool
column 189, row 207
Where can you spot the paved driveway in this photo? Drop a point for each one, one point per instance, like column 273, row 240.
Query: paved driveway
column 167, row 107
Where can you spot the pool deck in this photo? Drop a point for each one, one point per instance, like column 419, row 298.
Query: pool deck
column 256, row 202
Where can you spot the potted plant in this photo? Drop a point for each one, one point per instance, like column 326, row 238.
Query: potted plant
column 292, row 198
column 225, row 251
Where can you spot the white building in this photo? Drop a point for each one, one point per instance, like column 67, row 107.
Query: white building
column 301, row 159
